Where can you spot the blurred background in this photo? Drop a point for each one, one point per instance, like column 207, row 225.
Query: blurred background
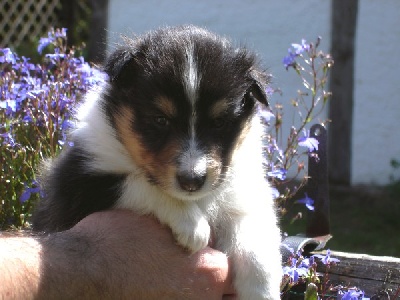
column 364, row 40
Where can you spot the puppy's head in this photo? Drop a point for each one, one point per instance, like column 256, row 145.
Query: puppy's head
column 181, row 100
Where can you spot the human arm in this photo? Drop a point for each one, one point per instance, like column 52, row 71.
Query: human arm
column 110, row 255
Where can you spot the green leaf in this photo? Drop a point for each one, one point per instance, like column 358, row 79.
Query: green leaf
column 311, row 292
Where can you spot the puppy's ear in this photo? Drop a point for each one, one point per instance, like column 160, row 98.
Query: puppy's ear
column 259, row 86
column 120, row 66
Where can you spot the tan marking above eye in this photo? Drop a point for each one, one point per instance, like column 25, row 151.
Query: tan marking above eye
column 219, row 109
column 166, row 106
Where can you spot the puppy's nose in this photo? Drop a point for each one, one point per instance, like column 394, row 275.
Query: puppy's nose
column 191, row 182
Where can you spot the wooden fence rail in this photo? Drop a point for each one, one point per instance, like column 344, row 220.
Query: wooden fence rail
column 377, row 276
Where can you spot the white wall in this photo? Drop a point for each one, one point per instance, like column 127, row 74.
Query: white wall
column 376, row 127
column 269, row 27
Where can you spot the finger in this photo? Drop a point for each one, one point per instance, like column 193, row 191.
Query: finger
column 229, row 290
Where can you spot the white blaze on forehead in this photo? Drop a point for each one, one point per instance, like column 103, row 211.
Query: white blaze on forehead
column 191, row 75
column 191, row 78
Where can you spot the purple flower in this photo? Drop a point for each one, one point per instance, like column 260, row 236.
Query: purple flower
column 351, row 294
column 300, row 48
column 265, row 115
column 289, row 60
column 8, row 139
column 269, row 91
column 307, row 201
column 278, row 173
column 43, row 43
column 8, row 56
column 308, row 142
column 295, row 272
column 61, row 33
column 327, row 259
column 96, row 77
column 54, row 57
column 26, row 194
column 292, row 273
column 9, row 105
column 307, row 262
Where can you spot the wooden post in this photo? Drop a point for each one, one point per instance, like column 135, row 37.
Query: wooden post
column 344, row 19
column 98, row 31
column 317, row 185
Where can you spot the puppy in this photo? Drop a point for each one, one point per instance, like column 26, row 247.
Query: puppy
column 175, row 133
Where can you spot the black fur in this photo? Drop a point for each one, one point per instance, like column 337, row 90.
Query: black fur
column 72, row 192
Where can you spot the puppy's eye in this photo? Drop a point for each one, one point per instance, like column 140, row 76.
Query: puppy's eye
column 243, row 102
column 161, row 121
column 219, row 123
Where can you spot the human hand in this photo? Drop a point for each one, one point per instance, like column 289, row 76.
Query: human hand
column 140, row 259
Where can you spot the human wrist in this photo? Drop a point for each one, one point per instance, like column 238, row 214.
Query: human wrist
column 71, row 267
column 19, row 262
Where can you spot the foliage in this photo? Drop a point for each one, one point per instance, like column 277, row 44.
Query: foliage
column 300, row 270
column 36, row 104
column 284, row 154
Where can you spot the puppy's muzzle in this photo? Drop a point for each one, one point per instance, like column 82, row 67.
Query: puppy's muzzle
column 191, row 181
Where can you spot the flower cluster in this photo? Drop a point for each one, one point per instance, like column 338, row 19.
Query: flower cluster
column 300, row 270
column 297, row 50
column 285, row 154
column 36, row 105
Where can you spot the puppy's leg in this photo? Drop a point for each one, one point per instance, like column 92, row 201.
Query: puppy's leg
column 190, row 227
column 186, row 220
column 252, row 243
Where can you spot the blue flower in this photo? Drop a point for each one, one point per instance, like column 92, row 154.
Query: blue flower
column 54, row 57
column 300, row 48
column 269, row 91
column 308, row 142
column 307, row 262
column 307, row 201
column 8, row 56
column 351, row 294
column 26, row 194
column 289, row 60
column 10, row 106
column 8, row 139
column 61, row 33
column 265, row 114
column 278, row 173
column 43, row 43
column 327, row 259
column 295, row 272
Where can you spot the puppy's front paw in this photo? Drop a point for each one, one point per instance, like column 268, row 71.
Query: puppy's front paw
column 193, row 235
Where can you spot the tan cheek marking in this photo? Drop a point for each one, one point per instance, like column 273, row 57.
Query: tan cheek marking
column 131, row 140
column 167, row 166
column 219, row 108
column 166, row 106
column 214, row 165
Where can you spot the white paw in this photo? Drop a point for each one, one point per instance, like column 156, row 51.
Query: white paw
column 193, row 235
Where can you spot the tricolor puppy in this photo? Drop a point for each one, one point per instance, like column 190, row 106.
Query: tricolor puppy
column 175, row 133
